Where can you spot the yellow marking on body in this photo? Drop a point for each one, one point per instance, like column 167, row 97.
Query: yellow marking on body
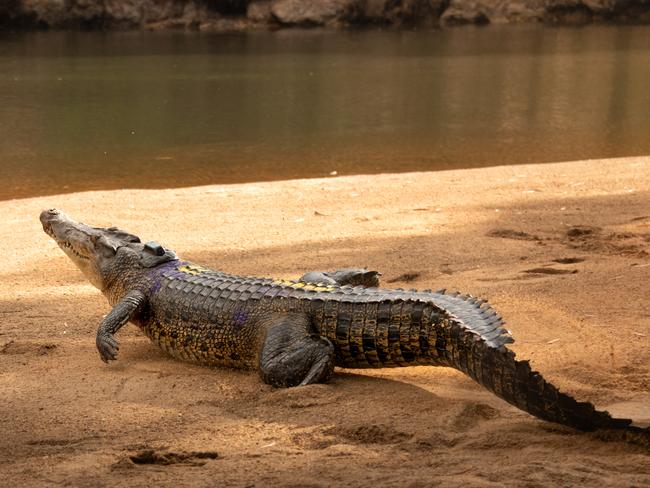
column 323, row 288
column 192, row 269
column 304, row 286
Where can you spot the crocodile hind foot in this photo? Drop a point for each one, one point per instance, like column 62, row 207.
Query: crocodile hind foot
column 292, row 356
column 342, row 277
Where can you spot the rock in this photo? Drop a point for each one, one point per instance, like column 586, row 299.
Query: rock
column 226, row 24
column 462, row 12
column 567, row 12
column 162, row 10
column 311, row 12
column 10, row 9
column 47, row 12
column 13, row 16
column 172, row 14
column 85, row 12
column 601, row 6
column 229, row 8
column 496, row 12
column 520, row 11
column 224, row 15
column 377, row 10
column 551, row 4
column 123, row 13
column 414, row 12
column 259, row 11
column 622, row 11
column 438, row 5
column 193, row 15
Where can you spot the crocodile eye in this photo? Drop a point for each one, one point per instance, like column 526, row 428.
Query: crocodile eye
column 103, row 245
column 122, row 235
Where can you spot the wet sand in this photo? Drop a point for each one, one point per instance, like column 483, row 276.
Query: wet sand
column 561, row 250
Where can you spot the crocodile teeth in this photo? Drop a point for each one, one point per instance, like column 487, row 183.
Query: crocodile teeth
column 67, row 245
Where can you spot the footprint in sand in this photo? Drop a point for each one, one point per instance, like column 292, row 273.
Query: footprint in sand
column 513, row 234
column 642, row 218
column 406, row 277
column 24, row 347
column 550, row 271
column 594, row 239
column 167, row 458
column 473, row 414
column 568, row 260
column 583, row 232
column 368, row 434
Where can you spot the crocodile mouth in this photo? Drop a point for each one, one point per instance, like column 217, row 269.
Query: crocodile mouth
column 46, row 220
column 47, row 227
column 65, row 245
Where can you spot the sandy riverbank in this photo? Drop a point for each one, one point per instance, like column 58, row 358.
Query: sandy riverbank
column 562, row 251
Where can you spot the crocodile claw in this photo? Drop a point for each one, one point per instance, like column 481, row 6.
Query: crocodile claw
column 107, row 346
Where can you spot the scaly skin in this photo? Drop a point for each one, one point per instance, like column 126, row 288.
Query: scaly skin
column 295, row 332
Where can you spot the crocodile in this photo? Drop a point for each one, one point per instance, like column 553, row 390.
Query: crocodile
column 294, row 332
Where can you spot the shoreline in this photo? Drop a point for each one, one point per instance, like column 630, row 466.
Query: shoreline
column 561, row 250
column 323, row 179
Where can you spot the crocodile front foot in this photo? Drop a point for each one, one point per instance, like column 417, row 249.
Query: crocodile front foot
column 122, row 312
column 107, row 346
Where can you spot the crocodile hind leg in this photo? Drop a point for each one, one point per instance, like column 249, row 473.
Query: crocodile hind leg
column 342, row 277
column 292, row 356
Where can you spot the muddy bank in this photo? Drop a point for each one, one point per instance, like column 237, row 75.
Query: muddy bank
column 561, row 250
column 239, row 15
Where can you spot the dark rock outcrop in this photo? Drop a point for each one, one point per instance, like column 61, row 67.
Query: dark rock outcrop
column 246, row 14
column 490, row 11
column 259, row 11
column 405, row 12
column 312, row 12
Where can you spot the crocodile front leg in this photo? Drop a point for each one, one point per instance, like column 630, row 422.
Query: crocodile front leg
column 291, row 355
column 342, row 277
column 106, row 343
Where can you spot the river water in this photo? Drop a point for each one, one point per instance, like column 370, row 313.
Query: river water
column 85, row 111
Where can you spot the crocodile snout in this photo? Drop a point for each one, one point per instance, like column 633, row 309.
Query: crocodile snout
column 46, row 215
column 46, row 219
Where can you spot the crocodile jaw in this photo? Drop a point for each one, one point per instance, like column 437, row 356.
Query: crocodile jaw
column 77, row 241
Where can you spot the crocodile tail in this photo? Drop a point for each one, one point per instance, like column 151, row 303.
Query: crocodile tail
column 486, row 359
column 515, row 381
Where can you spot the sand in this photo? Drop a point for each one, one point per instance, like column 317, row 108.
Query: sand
column 561, row 250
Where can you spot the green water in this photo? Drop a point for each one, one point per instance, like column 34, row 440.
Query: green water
column 109, row 110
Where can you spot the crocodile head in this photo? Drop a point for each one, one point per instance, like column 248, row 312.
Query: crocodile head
column 102, row 254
